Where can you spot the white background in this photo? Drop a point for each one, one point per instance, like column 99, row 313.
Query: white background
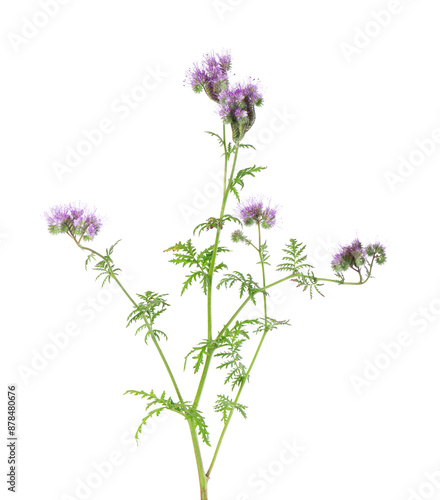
column 348, row 122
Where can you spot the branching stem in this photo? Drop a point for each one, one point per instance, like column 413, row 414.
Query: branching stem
column 191, row 423
column 212, row 266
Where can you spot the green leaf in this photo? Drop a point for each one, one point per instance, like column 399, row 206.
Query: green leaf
column 201, row 351
column 195, row 276
column 294, row 260
column 230, row 148
column 264, row 255
column 225, row 405
column 184, row 253
column 187, row 255
column 238, row 181
column 147, row 311
column 270, row 324
column 309, row 282
column 212, row 223
column 247, row 284
column 105, row 267
column 162, row 403
column 231, row 343
column 295, row 263
column 197, row 417
column 89, row 259
column 246, row 146
column 213, row 134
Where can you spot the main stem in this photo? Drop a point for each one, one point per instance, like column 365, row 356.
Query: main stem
column 217, row 237
column 226, row 189
column 203, row 478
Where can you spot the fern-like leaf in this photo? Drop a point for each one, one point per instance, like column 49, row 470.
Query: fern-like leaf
column 295, row 259
column 161, row 403
column 238, row 180
column 213, row 223
column 105, row 267
column 230, row 343
column 201, row 351
column 247, row 284
column 225, row 405
column 270, row 324
column 213, row 134
column 309, row 282
column 187, row 255
column 151, row 306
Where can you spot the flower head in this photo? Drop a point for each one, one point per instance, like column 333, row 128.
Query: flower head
column 75, row 220
column 237, row 236
column 254, row 211
column 237, row 107
column 211, row 75
column 378, row 251
column 349, row 256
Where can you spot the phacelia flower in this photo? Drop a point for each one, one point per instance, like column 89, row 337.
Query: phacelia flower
column 349, row 256
column 237, row 236
column 254, row 211
column 378, row 251
column 74, row 220
column 237, row 107
column 211, row 75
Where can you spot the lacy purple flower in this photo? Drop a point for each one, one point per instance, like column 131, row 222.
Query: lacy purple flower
column 74, row 220
column 237, row 107
column 253, row 211
column 211, row 76
column 349, row 256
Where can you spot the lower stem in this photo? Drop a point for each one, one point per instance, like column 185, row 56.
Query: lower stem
column 203, row 480
column 204, row 492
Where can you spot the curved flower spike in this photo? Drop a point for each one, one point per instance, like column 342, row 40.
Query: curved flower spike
column 211, row 76
column 237, row 107
column 354, row 255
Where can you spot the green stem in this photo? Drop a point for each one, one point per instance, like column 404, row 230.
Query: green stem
column 150, row 329
column 212, row 266
column 208, row 473
column 260, row 251
column 192, row 425
column 290, row 276
column 225, row 152
column 246, row 377
column 203, row 479
column 217, row 238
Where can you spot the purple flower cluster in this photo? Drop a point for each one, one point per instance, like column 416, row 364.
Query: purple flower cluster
column 354, row 255
column 211, row 76
column 74, row 220
column 237, row 107
column 349, row 256
column 237, row 102
column 254, row 211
